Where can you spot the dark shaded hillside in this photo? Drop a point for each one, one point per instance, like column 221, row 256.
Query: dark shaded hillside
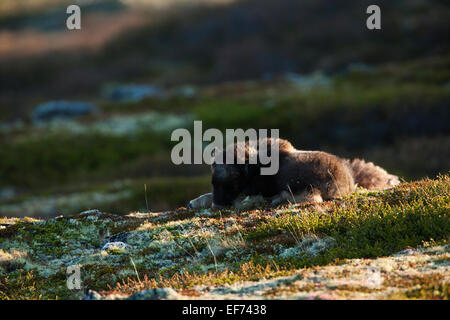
column 243, row 40
column 252, row 38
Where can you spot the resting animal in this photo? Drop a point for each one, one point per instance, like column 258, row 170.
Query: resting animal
column 312, row 176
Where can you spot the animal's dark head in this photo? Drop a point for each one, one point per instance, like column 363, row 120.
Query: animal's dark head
column 229, row 181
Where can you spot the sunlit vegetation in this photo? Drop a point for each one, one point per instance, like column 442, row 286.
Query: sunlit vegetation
column 187, row 249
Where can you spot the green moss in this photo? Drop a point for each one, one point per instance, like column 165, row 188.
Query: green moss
column 30, row 285
column 98, row 277
column 184, row 249
column 370, row 227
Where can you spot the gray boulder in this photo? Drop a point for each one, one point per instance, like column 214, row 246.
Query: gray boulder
column 92, row 295
column 61, row 109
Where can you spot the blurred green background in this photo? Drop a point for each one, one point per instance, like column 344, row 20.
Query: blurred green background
column 143, row 68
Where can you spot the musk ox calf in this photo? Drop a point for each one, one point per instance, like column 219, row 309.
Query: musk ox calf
column 312, row 176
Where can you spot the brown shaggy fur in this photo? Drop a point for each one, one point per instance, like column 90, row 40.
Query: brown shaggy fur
column 302, row 176
column 370, row 176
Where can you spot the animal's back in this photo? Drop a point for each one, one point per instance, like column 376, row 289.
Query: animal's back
column 329, row 175
column 316, row 171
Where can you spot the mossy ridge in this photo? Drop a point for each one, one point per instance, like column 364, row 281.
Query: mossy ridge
column 186, row 248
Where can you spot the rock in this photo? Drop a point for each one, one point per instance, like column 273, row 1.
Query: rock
column 202, row 202
column 61, row 109
column 91, row 212
column 118, row 245
column 92, row 295
column 131, row 93
column 118, row 237
column 406, row 252
column 156, row 294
